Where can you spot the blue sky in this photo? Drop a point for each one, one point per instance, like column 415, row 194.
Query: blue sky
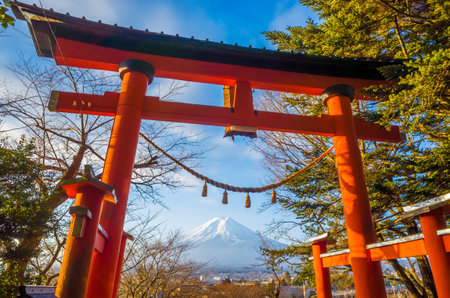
column 230, row 21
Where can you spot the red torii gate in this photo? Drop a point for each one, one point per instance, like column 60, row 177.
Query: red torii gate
column 141, row 55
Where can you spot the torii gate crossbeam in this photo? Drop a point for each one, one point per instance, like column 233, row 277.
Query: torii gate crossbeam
column 154, row 109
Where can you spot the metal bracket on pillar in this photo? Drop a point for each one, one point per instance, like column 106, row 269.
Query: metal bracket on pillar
column 80, row 213
column 340, row 89
column 137, row 65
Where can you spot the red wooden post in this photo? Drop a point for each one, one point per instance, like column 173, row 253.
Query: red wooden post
column 367, row 275
column 117, row 172
column 73, row 276
column 439, row 259
column 321, row 274
column 125, row 237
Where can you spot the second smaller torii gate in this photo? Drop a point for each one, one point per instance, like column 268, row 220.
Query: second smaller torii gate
column 434, row 242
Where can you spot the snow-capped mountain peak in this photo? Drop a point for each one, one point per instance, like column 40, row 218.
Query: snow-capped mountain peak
column 223, row 228
column 225, row 243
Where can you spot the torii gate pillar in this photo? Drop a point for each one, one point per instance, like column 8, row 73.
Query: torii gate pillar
column 118, row 168
column 367, row 275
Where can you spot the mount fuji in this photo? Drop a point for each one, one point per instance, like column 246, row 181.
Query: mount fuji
column 223, row 243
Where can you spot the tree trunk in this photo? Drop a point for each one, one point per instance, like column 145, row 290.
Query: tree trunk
column 427, row 276
column 30, row 243
column 405, row 279
column 424, row 266
column 56, row 198
column 409, row 284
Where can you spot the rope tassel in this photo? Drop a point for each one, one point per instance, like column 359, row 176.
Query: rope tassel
column 274, row 196
column 247, row 201
column 205, row 190
column 225, row 198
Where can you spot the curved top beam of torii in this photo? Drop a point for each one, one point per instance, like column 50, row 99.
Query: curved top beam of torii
column 78, row 42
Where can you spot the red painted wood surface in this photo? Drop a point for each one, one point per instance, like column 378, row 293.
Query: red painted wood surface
column 446, row 240
column 400, row 250
column 76, row 263
column 337, row 260
column 367, row 275
column 80, row 54
column 154, row 109
column 321, row 273
column 393, row 251
column 117, row 173
column 100, row 242
column 439, row 258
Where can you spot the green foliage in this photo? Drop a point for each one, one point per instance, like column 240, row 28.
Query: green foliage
column 23, row 211
column 420, row 99
column 5, row 18
column 287, row 279
column 416, row 98
column 369, row 29
column 9, row 279
column 342, row 280
column 271, row 289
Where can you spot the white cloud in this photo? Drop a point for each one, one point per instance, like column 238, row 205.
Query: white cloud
column 192, row 132
column 174, row 19
column 293, row 15
column 214, row 197
column 5, row 61
column 105, row 10
column 210, row 201
column 198, row 93
column 235, row 149
column 9, row 83
column 12, row 128
column 187, row 92
column 157, row 16
column 192, row 183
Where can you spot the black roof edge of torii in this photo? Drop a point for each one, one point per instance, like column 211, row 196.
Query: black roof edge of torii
column 147, row 42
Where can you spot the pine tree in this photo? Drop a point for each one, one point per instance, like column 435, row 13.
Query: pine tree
column 417, row 99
